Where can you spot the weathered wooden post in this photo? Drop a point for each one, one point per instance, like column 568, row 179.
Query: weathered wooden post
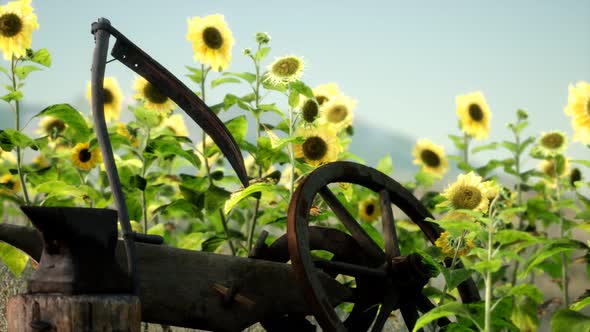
column 78, row 285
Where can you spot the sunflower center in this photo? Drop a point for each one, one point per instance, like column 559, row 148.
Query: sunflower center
column 84, row 155
column 475, row 112
column 575, row 176
column 321, row 99
column 467, row 197
column 552, row 141
column 430, row 158
column 212, row 38
column 370, row 209
column 337, row 113
column 314, row 148
column 10, row 25
column 286, row 67
column 107, row 96
column 55, row 126
column 310, row 110
column 154, row 95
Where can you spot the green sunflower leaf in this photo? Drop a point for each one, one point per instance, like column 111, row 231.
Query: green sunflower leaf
column 294, row 98
column 549, row 250
column 15, row 260
column 23, row 71
column 579, row 305
column 10, row 138
column 12, row 96
column 196, row 74
column 445, row 310
column 42, row 57
column 77, row 128
column 261, row 53
column 565, row 320
column 271, row 108
column 385, row 165
column 194, row 241
column 302, row 88
column 147, row 117
column 491, row 146
column 223, row 80
column 248, row 77
column 238, row 196
column 215, row 197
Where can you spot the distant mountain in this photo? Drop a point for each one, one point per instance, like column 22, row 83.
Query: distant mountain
column 372, row 144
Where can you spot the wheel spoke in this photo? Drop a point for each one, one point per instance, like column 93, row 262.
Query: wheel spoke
column 410, row 314
column 386, row 309
column 389, row 234
column 348, row 269
column 364, row 240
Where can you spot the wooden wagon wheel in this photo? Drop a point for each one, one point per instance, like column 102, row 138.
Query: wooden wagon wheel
column 397, row 280
column 345, row 249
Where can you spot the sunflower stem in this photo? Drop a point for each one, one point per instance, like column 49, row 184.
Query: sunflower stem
column 466, row 149
column 564, row 267
column 488, row 274
column 452, row 266
column 252, row 229
column 518, row 188
column 21, row 176
column 143, row 195
column 207, row 168
column 291, row 150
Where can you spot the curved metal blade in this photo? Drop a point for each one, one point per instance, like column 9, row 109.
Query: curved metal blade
column 141, row 63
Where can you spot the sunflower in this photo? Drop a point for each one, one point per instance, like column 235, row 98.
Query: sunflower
column 153, row 98
column 468, row 192
column 430, row 157
column 578, row 108
column 325, row 92
column 310, row 110
column 552, row 143
column 122, row 130
column 10, row 184
column 575, row 176
column 17, row 22
column 212, row 41
column 369, row 209
column 51, row 126
column 285, row 70
column 492, row 189
column 112, row 98
column 6, row 156
column 85, row 158
column 474, row 114
column 548, row 168
column 338, row 111
column 176, row 124
column 320, row 146
column 448, row 245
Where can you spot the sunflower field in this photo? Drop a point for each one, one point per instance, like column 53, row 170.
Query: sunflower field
column 519, row 232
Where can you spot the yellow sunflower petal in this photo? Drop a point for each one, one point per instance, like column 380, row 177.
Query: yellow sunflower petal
column 321, row 145
column 430, row 157
column 17, row 22
column 474, row 114
column 212, row 41
column 112, row 98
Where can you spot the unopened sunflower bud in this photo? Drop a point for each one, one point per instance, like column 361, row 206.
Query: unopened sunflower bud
column 247, row 51
column 262, row 38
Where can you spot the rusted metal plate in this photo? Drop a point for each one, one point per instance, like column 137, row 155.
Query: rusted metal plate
column 178, row 287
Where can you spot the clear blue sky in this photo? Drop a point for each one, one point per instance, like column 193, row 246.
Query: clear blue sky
column 404, row 62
